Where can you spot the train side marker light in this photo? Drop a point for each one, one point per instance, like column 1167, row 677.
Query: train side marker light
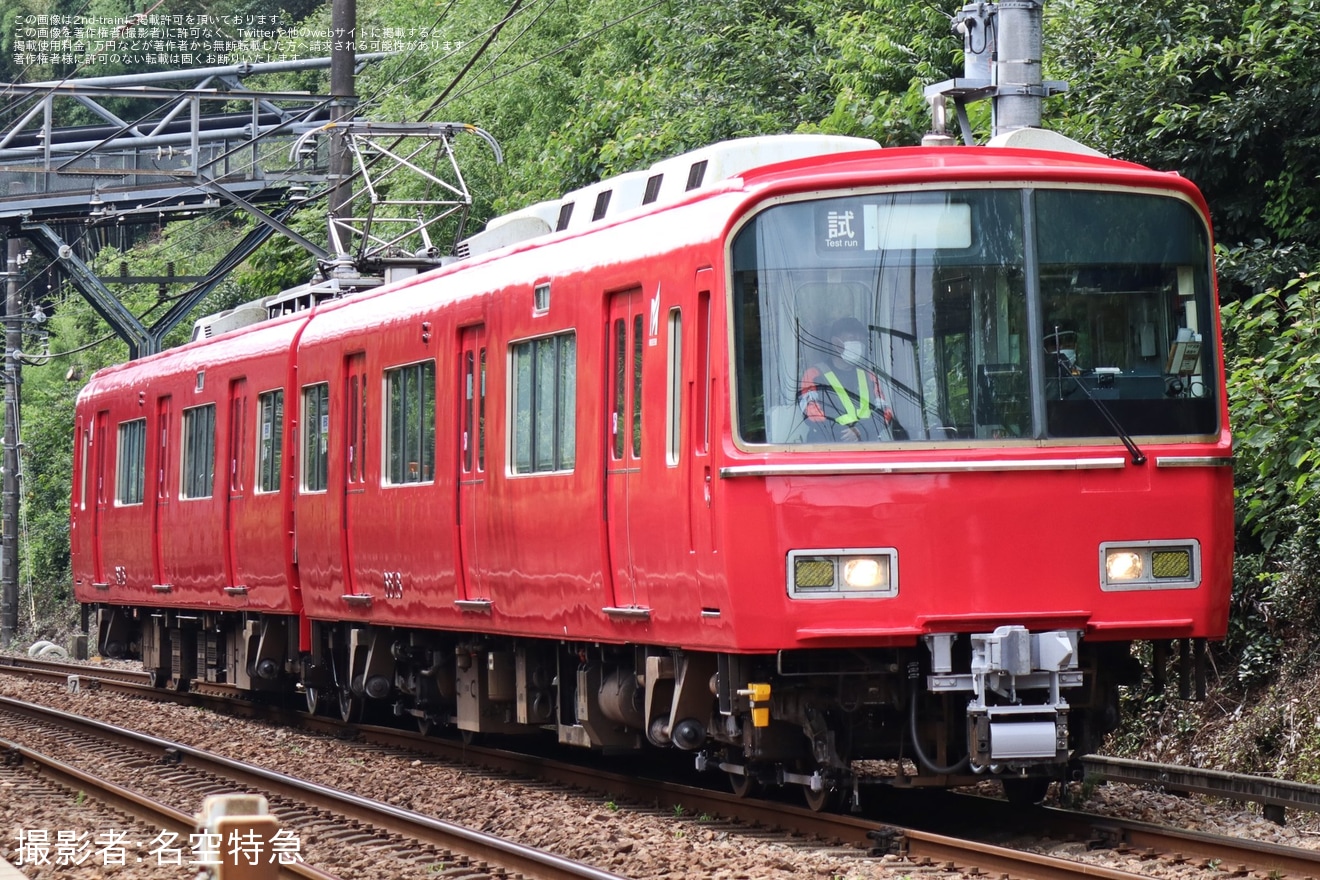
column 759, row 695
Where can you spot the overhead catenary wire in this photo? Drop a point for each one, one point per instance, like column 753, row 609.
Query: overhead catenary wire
column 450, row 91
column 563, row 47
column 516, row 8
column 458, row 77
column 390, row 80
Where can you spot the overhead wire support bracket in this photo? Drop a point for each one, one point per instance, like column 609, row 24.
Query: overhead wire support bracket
column 376, row 225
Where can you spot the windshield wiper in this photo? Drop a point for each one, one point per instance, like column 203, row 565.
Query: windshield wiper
column 1065, row 369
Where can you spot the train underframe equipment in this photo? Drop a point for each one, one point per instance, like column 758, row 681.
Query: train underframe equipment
column 1011, row 704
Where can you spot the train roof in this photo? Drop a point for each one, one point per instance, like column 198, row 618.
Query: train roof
column 747, row 165
column 269, row 338
column 745, row 168
column 667, row 182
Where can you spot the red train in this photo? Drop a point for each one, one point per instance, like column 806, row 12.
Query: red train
column 789, row 452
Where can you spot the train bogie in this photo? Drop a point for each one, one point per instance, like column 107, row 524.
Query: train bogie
column 887, row 454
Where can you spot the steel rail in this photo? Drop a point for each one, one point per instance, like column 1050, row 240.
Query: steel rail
column 1273, row 859
column 125, row 800
column 474, row 845
column 915, row 844
column 1219, row 783
column 55, row 669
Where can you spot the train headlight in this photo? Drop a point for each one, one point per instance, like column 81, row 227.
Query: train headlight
column 866, row 573
column 1122, row 565
column 843, row 572
column 1150, row 565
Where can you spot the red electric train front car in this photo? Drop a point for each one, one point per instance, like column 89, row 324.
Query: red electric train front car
column 789, row 452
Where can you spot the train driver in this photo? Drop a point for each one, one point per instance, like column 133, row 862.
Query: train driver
column 840, row 398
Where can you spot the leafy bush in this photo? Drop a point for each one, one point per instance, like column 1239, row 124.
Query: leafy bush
column 1272, row 343
column 1272, row 347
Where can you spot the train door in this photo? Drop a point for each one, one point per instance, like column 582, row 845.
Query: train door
column 623, row 437
column 161, row 495
column 700, row 518
column 235, row 455
column 100, row 462
column 80, row 524
column 355, row 459
column 471, row 457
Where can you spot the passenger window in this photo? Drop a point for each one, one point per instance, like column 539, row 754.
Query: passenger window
column 130, row 476
column 545, row 407
column 316, row 437
column 270, row 440
column 198, row 452
column 410, row 427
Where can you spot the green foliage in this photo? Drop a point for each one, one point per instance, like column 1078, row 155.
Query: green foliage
column 280, row 263
column 46, row 429
column 578, row 93
column 1208, row 90
column 1272, row 342
column 1260, row 265
column 1272, row 347
column 881, row 57
column 1276, row 607
column 1252, row 634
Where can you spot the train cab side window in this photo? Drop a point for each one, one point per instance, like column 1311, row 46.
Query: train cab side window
column 270, row 440
column 410, row 425
column 544, row 396
column 316, row 437
column 130, row 476
column 198, row 452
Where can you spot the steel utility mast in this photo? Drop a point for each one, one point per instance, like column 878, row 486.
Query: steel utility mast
column 1002, row 49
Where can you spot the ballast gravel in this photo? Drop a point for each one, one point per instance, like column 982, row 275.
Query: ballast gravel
column 620, row 838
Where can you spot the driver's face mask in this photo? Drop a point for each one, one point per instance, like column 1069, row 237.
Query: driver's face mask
column 854, row 351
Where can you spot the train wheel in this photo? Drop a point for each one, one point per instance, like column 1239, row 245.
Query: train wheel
column 820, row 801
column 1025, row 791
column 743, row 784
column 313, row 696
column 424, row 724
column 350, row 706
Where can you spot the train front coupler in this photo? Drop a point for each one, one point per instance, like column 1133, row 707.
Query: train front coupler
column 1016, row 716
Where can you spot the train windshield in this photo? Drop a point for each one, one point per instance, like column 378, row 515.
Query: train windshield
column 973, row 315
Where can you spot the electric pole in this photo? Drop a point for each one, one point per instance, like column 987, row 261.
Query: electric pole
column 9, row 488
column 1002, row 51
column 343, row 59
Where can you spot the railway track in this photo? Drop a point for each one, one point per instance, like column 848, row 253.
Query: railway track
column 873, row 833
column 408, row 843
column 41, row 778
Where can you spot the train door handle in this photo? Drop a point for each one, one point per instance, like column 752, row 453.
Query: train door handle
column 707, row 485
